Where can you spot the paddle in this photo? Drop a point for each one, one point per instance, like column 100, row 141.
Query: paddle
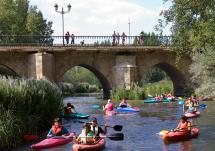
column 115, row 136
column 116, row 127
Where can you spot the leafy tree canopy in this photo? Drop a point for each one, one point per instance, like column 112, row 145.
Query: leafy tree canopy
column 18, row 18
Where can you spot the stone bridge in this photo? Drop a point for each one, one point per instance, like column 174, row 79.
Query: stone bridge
column 113, row 66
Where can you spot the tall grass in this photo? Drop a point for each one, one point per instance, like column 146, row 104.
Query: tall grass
column 161, row 87
column 135, row 93
column 27, row 106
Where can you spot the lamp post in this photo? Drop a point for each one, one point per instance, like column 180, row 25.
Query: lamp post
column 129, row 29
column 62, row 12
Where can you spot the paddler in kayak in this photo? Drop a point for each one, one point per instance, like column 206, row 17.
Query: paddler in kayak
column 57, row 129
column 69, row 109
column 183, row 125
column 86, row 136
column 97, row 130
column 124, row 104
column 109, row 106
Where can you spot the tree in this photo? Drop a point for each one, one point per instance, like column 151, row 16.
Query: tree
column 18, row 18
column 193, row 33
column 153, row 75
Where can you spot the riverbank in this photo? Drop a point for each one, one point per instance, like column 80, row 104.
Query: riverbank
column 26, row 107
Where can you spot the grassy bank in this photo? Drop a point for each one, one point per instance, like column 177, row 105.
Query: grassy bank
column 139, row 93
column 26, row 107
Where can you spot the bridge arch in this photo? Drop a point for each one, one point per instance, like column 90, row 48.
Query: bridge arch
column 178, row 78
column 104, row 81
column 7, row 71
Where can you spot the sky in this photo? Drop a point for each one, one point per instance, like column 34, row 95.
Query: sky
column 102, row 17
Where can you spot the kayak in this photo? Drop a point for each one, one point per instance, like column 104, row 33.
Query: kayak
column 181, row 135
column 99, row 145
column 110, row 113
column 76, row 115
column 128, row 109
column 191, row 115
column 153, row 100
column 53, row 142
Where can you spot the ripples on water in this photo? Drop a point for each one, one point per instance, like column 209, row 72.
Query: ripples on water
column 140, row 128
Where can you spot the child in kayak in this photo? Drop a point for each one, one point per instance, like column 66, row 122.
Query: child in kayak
column 109, row 106
column 69, row 109
column 57, row 129
column 183, row 125
column 191, row 107
column 97, row 130
column 124, row 104
column 86, row 136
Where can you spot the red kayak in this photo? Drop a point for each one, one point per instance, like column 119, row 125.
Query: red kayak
column 98, row 146
column 191, row 115
column 110, row 113
column 53, row 142
column 181, row 135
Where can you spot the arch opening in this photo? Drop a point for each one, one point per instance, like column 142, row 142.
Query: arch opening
column 167, row 75
column 85, row 78
column 7, row 71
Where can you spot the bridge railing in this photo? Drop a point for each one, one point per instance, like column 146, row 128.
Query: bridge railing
column 84, row 41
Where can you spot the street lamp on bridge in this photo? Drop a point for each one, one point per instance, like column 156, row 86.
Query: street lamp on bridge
column 62, row 12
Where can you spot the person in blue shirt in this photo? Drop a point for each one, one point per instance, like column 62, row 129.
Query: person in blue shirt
column 57, row 129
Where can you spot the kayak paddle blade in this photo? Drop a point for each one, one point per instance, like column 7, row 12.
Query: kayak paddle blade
column 118, row 127
column 116, row 137
column 163, row 132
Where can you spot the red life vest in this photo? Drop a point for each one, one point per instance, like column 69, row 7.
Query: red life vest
column 57, row 130
column 110, row 107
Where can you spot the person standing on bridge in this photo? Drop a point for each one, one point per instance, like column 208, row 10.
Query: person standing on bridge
column 114, row 38
column 141, row 38
column 118, row 38
column 72, row 39
column 67, row 35
column 123, row 38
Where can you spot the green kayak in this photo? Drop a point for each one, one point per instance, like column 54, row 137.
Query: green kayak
column 76, row 115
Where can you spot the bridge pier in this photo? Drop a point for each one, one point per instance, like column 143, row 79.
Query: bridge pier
column 125, row 71
column 41, row 65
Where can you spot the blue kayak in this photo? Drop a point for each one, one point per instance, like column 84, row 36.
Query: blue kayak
column 127, row 109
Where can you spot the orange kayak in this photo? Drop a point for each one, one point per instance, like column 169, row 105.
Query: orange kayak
column 110, row 113
column 181, row 135
column 98, row 146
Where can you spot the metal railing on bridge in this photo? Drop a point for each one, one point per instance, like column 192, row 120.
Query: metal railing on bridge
column 84, row 41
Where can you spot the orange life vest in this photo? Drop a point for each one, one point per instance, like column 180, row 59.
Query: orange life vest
column 184, row 125
column 57, row 130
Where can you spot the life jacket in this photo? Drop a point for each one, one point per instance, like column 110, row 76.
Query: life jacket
column 57, row 130
column 86, row 138
column 109, row 107
column 184, row 125
column 94, row 129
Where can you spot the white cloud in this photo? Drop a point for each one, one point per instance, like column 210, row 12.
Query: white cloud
column 100, row 17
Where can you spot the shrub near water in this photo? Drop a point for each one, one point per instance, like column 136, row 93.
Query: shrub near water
column 27, row 106
column 135, row 93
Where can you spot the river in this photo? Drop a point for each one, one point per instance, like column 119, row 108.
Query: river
column 140, row 129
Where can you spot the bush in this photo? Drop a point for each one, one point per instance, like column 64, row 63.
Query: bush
column 162, row 87
column 81, row 87
column 135, row 93
column 27, row 106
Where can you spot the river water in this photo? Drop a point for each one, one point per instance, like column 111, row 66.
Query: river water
column 140, row 129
